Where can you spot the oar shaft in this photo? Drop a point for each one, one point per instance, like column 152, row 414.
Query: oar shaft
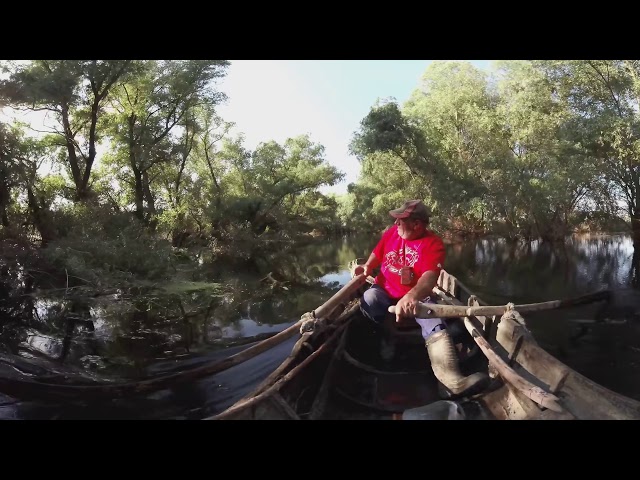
column 434, row 310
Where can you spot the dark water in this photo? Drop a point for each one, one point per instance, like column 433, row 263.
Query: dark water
column 607, row 352
column 131, row 336
column 539, row 271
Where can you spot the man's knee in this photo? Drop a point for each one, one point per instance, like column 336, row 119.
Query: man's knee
column 375, row 303
column 430, row 326
column 377, row 296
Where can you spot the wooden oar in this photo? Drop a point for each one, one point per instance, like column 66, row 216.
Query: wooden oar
column 434, row 310
column 348, row 290
column 33, row 389
column 343, row 295
column 274, row 387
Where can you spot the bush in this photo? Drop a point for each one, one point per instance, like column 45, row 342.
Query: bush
column 99, row 247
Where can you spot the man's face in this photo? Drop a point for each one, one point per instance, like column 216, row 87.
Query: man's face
column 409, row 228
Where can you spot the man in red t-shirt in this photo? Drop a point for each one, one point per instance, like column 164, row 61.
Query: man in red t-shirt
column 410, row 259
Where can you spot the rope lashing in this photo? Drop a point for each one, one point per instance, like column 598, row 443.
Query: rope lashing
column 310, row 323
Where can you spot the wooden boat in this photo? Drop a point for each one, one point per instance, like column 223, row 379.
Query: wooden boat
column 335, row 370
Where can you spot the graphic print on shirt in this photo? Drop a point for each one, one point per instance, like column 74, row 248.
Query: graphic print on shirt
column 393, row 260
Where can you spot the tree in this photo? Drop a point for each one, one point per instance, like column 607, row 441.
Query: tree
column 152, row 110
column 75, row 92
column 546, row 176
column 604, row 96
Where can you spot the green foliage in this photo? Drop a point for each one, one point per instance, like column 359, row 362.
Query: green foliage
column 154, row 120
column 384, row 129
column 603, row 96
column 516, row 152
column 534, row 148
column 75, row 92
column 599, row 221
column 104, row 249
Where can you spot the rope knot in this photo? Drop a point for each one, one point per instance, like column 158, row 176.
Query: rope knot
column 309, row 323
column 471, row 302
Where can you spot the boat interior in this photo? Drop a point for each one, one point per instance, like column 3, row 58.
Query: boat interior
column 368, row 379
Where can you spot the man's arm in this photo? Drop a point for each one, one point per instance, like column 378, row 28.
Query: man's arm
column 406, row 306
column 371, row 263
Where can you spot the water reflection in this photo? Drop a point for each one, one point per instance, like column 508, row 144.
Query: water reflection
column 126, row 335
column 340, row 278
column 123, row 334
column 535, row 271
column 541, row 271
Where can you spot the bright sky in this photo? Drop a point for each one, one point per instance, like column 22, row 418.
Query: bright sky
column 279, row 99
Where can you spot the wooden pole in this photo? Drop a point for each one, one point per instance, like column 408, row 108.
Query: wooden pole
column 250, row 401
column 434, row 310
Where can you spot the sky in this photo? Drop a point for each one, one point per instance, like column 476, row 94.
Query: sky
column 327, row 99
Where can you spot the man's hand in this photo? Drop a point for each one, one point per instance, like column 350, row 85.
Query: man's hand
column 366, row 269
column 406, row 306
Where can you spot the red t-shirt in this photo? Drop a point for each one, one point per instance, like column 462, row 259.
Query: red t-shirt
column 423, row 254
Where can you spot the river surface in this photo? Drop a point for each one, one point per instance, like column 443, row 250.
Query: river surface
column 127, row 336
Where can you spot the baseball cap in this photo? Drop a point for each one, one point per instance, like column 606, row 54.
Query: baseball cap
column 411, row 209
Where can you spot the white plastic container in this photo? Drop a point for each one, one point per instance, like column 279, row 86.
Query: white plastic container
column 440, row 410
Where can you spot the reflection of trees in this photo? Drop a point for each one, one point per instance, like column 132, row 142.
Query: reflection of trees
column 16, row 303
column 634, row 273
column 542, row 270
column 147, row 332
column 297, row 270
column 306, row 264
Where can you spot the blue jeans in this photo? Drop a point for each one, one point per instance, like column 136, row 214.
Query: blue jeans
column 375, row 304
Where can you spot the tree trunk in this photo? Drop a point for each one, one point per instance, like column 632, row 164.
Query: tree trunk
column 152, row 219
column 151, row 204
column 81, row 187
column 139, row 192
column 5, row 198
column 634, row 271
column 635, row 227
column 41, row 218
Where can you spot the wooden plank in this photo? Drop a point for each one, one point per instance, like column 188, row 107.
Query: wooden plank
column 532, row 391
column 559, row 383
column 513, row 335
column 454, row 290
